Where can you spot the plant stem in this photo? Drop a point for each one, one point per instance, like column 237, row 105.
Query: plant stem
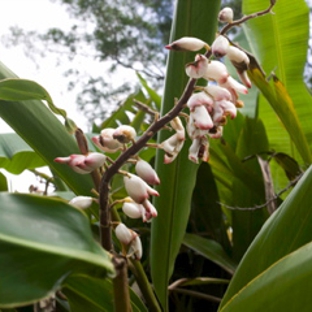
column 145, row 286
column 120, row 285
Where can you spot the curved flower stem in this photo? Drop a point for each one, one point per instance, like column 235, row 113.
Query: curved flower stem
column 244, row 19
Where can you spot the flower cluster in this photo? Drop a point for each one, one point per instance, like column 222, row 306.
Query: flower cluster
column 209, row 108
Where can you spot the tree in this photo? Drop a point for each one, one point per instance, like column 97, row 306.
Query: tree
column 129, row 34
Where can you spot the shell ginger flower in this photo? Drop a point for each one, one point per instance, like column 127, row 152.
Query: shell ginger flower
column 187, row 44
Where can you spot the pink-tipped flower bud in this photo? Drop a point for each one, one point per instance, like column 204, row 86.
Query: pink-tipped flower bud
column 234, row 87
column 124, row 234
column 81, row 163
column 193, row 131
column 106, row 142
column 199, row 99
column 82, row 202
column 187, row 44
column 216, row 71
column 137, row 189
column 201, row 117
column 220, row 46
column 198, row 68
column 218, row 93
column 226, row 15
column 124, row 134
column 146, row 172
column 150, row 210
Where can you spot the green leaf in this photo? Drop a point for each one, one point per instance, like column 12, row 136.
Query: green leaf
column 207, row 215
column 285, row 231
column 292, row 294
column 284, row 51
column 178, row 178
column 121, row 115
column 42, row 241
column 16, row 89
column 43, row 132
column 3, row 183
column 152, row 93
column 83, row 291
column 211, row 250
column 16, row 155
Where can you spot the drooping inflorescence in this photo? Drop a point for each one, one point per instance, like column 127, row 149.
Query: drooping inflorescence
column 208, row 109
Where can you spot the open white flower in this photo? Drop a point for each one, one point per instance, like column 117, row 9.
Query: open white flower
column 106, row 142
column 124, row 134
column 198, row 68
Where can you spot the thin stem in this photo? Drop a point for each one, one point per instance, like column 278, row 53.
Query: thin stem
column 196, row 294
column 145, row 286
column 244, row 19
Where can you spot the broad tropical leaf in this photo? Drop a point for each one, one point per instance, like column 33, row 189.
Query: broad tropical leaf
column 35, row 123
column 290, row 224
column 288, row 279
column 42, row 241
column 283, row 52
column 16, row 155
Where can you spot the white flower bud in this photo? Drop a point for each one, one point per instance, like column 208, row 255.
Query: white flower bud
column 218, row 93
column 137, row 189
column 220, row 46
column 199, row 99
column 238, row 56
column 226, row 15
column 124, row 134
column 82, row 202
column 216, row 71
column 94, row 160
column 132, row 210
column 234, row 87
column 146, row 172
column 193, row 131
column 187, row 44
column 124, row 234
column 201, row 117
